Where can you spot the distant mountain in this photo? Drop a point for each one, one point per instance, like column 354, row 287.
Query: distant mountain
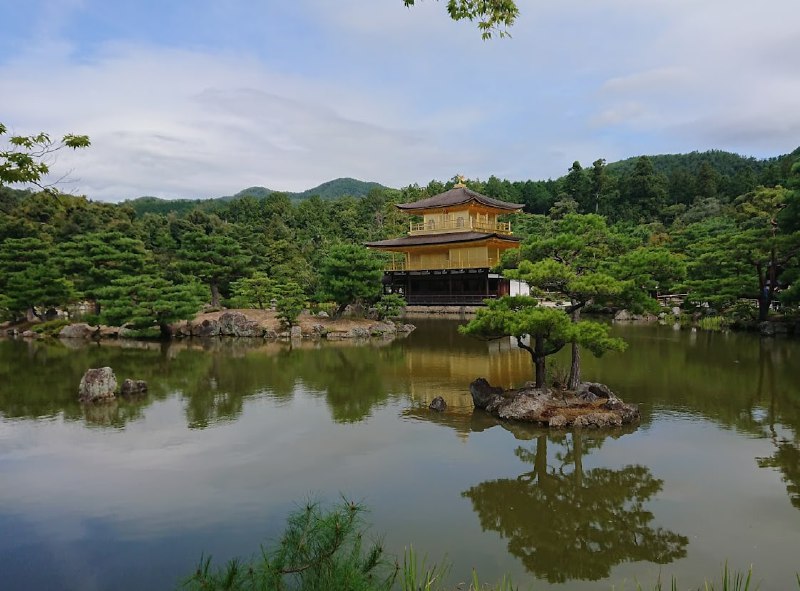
column 257, row 192
column 330, row 190
column 722, row 162
column 339, row 188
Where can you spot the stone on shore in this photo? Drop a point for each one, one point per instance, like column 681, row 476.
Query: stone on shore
column 591, row 406
column 236, row 324
column 768, row 328
column 97, row 385
column 628, row 316
column 206, row 328
column 77, row 331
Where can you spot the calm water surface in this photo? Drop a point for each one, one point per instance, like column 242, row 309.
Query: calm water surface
column 235, row 434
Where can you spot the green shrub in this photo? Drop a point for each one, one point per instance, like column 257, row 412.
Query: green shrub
column 316, row 307
column 389, row 306
column 91, row 319
column 742, row 313
column 289, row 302
column 141, row 333
column 713, row 323
column 51, row 327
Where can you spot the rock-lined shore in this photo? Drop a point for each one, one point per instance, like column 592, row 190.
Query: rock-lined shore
column 262, row 324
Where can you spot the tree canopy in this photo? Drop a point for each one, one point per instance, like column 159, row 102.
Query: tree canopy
column 492, row 16
column 715, row 225
column 539, row 330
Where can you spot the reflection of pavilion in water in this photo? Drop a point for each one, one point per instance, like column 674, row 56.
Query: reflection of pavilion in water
column 448, row 373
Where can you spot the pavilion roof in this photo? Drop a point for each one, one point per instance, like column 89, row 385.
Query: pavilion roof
column 440, row 239
column 458, row 195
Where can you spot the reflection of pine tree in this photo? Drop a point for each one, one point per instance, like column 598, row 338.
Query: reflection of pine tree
column 352, row 379
column 787, row 460
column 214, row 378
column 575, row 525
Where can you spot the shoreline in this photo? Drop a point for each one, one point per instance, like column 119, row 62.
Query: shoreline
column 233, row 323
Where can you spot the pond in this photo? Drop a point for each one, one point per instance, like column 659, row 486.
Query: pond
column 235, row 434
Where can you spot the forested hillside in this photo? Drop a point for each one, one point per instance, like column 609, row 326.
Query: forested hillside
column 733, row 222
column 342, row 187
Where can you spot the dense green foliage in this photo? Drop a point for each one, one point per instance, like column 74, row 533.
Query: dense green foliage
column 350, row 274
column 389, row 306
column 143, row 301
column 539, row 330
column 580, row 259
column 289, row 302
column 717, row 226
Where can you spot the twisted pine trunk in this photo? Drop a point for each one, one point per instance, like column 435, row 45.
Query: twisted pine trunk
column 575, row 367
column 538, row 357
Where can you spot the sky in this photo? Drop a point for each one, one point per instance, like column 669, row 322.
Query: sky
column 197, row 99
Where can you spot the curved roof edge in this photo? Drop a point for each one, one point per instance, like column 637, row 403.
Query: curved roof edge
column 458, row 196
column 439, row 239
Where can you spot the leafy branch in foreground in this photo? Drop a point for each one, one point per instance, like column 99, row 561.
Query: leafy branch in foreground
column 24, row 160
column 493, row 16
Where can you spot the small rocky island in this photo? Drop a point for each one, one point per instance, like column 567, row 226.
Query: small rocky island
column 592, row 405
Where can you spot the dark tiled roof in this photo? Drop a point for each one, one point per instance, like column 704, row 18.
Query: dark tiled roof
column 440, row 239
column 458, row 196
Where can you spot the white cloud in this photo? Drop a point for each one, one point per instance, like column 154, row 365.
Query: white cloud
column 399, row 96
column 190, row 124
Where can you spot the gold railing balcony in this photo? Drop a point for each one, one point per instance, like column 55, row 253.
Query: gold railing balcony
column 465, row 263
column 458, row 225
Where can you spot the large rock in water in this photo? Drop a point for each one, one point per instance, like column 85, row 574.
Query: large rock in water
column 592, row 406
column 133, row 387
column 438, row 404
column 97, row 385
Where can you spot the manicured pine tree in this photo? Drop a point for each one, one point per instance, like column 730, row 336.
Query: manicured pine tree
column 92, row 261
column 349, row 274
column 148, row 301
column 290, row 300
column 30, row 278
column 214, row 258
column 571, row 260
column 257, row 290
column 539, row 330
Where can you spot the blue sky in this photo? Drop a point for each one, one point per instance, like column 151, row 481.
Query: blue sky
column 200, row 98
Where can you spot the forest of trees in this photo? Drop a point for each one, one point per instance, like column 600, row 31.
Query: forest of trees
column 732, row 223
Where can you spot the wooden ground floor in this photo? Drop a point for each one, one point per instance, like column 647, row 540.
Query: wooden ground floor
column 446, row 287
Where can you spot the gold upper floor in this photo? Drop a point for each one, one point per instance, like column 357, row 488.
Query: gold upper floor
column 462, row 220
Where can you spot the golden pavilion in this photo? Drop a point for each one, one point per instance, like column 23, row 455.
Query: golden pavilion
column 447, row 257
